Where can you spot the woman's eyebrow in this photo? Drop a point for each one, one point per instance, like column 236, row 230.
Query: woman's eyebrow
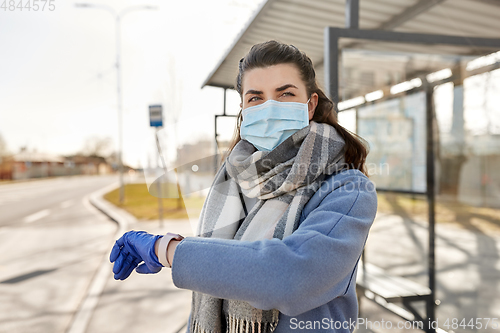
column 286, row 86
column 254, row 92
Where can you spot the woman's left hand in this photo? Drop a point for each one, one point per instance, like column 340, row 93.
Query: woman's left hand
column 130, row 250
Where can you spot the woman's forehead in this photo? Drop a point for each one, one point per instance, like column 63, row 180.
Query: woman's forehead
column 272, row 77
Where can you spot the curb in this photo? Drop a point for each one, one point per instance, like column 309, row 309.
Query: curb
column 83, row 315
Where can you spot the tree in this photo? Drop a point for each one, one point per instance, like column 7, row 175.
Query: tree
column 3, row 148
column 98, row 146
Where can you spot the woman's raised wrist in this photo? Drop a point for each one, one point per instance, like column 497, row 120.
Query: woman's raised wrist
column 163, row 247
column 157, row 246
column 171, row 250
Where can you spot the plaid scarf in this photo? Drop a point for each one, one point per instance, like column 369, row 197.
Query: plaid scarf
column 283, row 180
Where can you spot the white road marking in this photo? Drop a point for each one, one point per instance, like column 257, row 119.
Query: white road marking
column 67, row 204
column 34, row 217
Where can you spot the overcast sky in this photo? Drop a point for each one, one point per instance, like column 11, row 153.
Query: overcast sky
column 58, row 80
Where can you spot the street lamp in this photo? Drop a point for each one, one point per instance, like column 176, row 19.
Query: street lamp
column 118, row 16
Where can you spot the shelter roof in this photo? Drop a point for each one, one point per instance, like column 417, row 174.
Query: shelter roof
column 302, row 23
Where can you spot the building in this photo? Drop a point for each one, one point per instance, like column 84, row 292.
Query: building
column 27, row 165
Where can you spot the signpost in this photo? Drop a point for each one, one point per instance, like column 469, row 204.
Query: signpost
column 156, row 120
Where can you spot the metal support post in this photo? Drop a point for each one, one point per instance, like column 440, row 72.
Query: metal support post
column 431, row 201
column 224, row 107
column 118, row 17
column 216, row 163
column 158, row 182
column 331, row 66
column 120, row 109
column 352, row 14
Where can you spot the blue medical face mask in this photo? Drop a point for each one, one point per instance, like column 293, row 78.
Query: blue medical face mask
column 268, row 124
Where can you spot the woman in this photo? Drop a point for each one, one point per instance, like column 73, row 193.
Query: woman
column 286, row 219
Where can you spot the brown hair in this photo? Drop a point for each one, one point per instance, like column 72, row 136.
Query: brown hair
column 272, row 53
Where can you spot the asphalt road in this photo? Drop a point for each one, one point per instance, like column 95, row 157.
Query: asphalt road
column 51, row 244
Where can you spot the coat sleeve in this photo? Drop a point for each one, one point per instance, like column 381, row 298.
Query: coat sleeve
column 307, row 269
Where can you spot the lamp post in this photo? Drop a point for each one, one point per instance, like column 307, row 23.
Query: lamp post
column 118, row 16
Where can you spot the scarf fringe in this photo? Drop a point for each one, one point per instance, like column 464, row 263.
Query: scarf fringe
column 235, row 325
column 196, row 328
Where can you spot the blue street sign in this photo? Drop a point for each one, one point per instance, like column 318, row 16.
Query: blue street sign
column 155, row 116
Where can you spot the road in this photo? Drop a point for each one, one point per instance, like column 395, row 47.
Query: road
column 51, row 244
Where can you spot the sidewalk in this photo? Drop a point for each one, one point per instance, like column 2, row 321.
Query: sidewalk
column 141, row 303
column 467, row 269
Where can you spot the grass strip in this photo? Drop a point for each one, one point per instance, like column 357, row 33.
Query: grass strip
column 144, row 205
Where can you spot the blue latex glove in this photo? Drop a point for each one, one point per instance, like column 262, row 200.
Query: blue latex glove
column 130, row 250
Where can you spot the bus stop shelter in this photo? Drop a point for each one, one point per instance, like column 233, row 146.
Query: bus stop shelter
column 372, row 52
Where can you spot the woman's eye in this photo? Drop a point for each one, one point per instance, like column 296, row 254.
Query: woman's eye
column 287, row 93
column 253, row 99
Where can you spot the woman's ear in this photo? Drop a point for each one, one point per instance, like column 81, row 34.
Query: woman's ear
column 313, row 103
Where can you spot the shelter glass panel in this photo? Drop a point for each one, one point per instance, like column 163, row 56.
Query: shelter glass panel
column 395, row 131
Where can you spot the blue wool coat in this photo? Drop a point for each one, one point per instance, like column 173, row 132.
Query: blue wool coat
column 310, row 276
